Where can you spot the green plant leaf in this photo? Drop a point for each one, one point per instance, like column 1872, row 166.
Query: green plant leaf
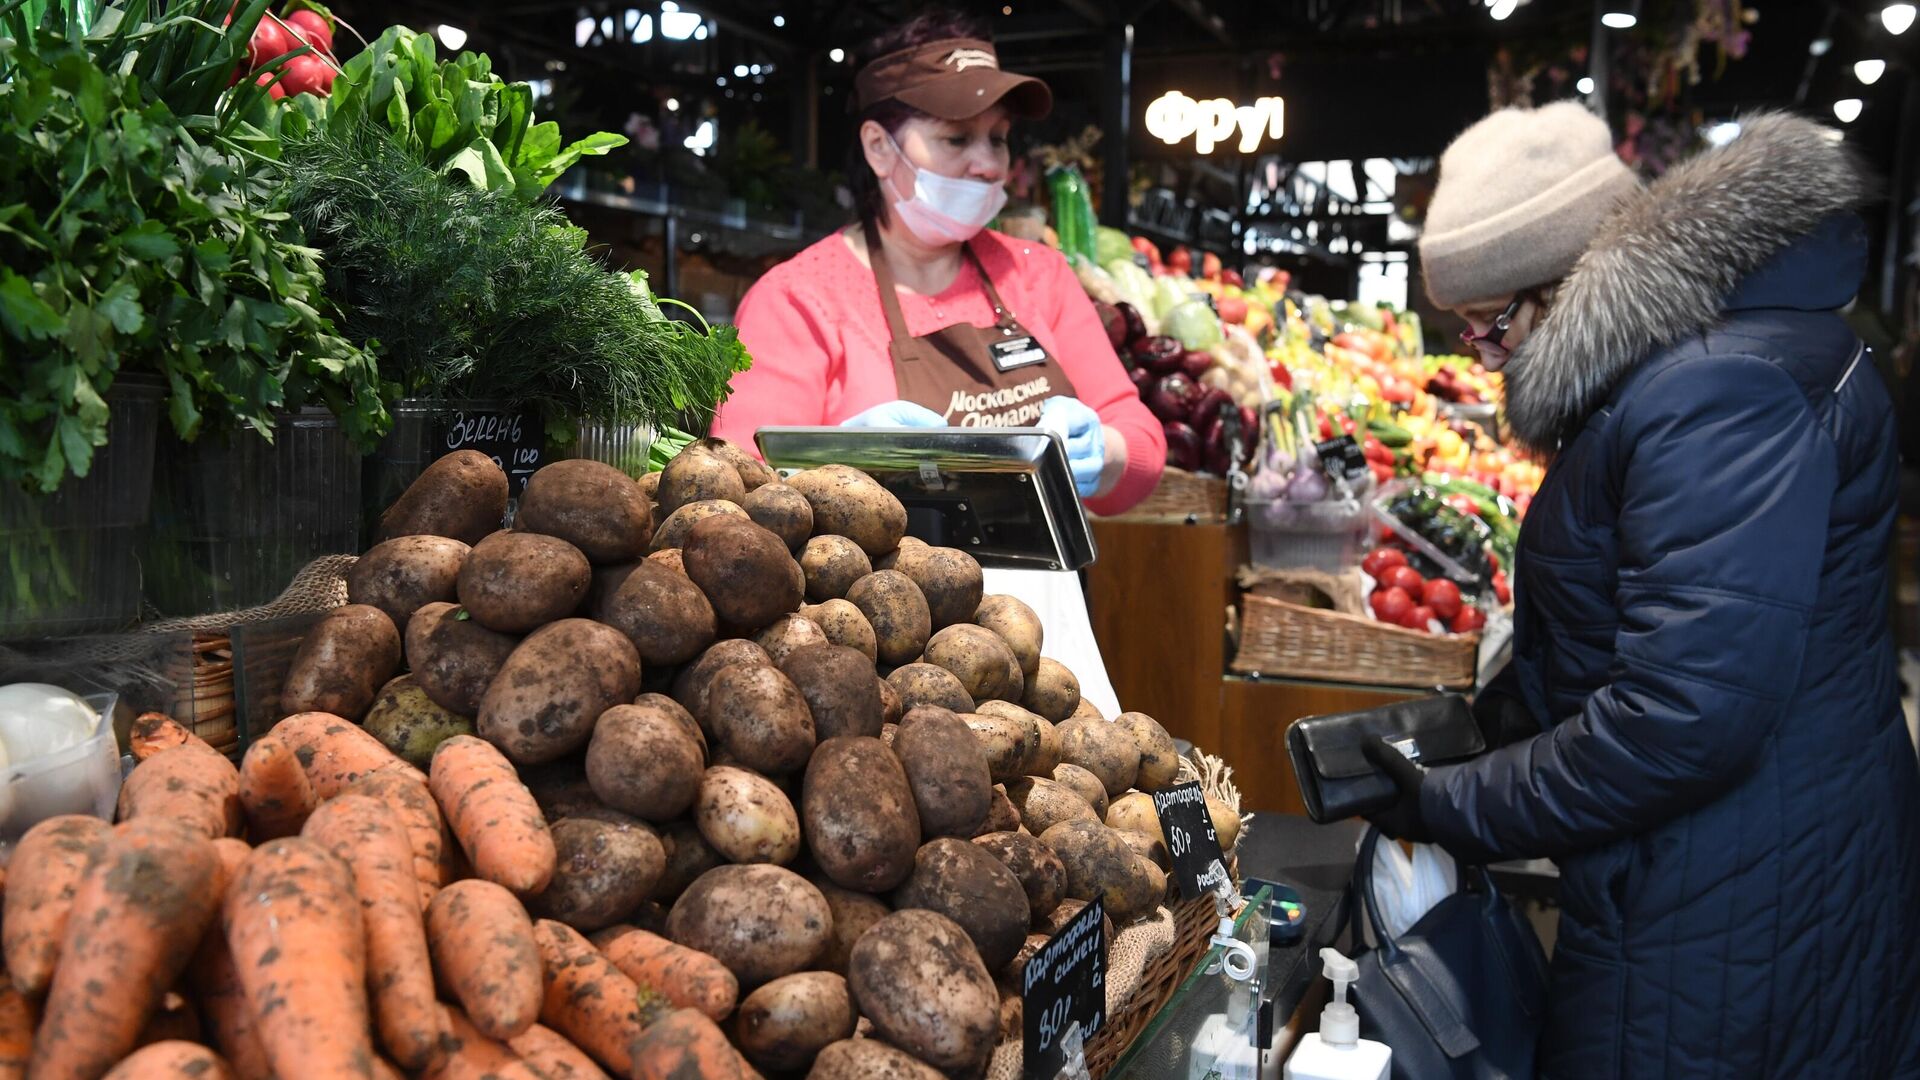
column 24, row 314
column 149, row 240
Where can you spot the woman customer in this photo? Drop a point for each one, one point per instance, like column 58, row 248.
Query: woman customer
column 1702, row 701
column 918, row 316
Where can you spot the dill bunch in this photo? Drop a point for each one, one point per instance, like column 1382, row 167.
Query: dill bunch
column 473, row 293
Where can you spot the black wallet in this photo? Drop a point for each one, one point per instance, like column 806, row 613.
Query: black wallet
column 1336, row 779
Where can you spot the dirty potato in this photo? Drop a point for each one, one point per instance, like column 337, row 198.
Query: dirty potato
column 980, row 659
column 762, row 922
column 404, row 574
column 832, row 564
column 925, row 684
column 646, row 759
column 603, row 871
column 841, row 693
column 591, row 505
column 1053, row 691
column 462, row 496
column 342, row 663
column 454, row 659
column 897, row 611
column 745, row 571
column 861, row 822
column 844, row 625
column 783, row 512
column 847, row 502
column 516, row 582
column 663, row 613
column 552, row 689
column 697, row 474
column 409, row 723
column 1017, row 625
column 745, row 817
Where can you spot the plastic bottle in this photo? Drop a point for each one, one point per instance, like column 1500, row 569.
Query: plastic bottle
column 1336, row 1051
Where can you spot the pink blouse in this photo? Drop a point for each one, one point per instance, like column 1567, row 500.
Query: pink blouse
column 819, row 341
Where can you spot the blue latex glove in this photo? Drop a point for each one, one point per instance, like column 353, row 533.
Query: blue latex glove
column 896, row 414
column 1086, row 440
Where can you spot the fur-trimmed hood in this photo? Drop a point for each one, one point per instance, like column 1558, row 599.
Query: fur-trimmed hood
column 1663, row 265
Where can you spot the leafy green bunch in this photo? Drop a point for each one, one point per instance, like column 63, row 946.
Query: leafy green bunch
column 137, row 237
column 477, row 292
column 456, row 115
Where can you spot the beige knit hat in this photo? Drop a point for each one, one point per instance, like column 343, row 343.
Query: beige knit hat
column 1521, row 195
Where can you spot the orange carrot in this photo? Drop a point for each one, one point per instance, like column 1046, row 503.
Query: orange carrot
column 174, row 1059
column 274, row 789
column 17, row 1021
column 225, row 1014
column 689, row 978
column 484, row 952
column 195, row 784
column 686, row 1043
column 335, row 751
column 549, row 1051
column 153, row 732
column 141, row 908
column 294, row 927
column 412, row 802
column 493, row 815
column 473, row 1056
column 46, row 869
column 369, row 839
column 589, row 1001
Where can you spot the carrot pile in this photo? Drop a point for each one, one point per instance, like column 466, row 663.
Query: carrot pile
column 311, row 913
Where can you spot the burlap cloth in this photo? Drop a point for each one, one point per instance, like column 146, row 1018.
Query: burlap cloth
column 1345, row 592
column 1139, row 944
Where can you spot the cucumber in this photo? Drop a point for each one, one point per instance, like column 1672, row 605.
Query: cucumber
column 1390, row 435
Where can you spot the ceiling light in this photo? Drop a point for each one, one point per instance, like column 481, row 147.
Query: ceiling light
column 1500, row 9
column 1585, row 85
column 669, row 5
column 1869, row 71
column 583, row 32
column 837, row 55
column 700, row 33
column 679, row 25
column 1619, row 20
column 673, row 104
column 1897, row 18
column 643, row 31
column 1819, row 46
column 451, row 36
column 739, row 71
column 1722, row 133
column 779, row 20
column 1848, row 109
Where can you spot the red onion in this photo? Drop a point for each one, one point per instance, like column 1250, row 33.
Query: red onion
column 1183, row 446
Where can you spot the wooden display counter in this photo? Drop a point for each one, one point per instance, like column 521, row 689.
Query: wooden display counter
column 1159, row 597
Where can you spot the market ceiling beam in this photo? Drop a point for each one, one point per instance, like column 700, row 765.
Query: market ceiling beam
column 1087, row 10
column 1206, row 18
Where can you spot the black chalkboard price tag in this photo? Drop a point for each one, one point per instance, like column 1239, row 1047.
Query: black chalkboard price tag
column 1197, row 860
column 1063, row 993
column 514, row 440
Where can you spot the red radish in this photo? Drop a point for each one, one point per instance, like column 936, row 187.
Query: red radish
column 308, row 75
column 1390, row 605
column 1469, row 620
column 313, row 28
column 1418, row 618
column 1501, row 590
column 269, row 42
column 1405, row 577
column 1379, row 560
column 277, row 90
column 1442, row 596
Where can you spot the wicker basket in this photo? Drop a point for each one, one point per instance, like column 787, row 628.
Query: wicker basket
column 1182, row 496
column 1278, row 638
column 1194, row 922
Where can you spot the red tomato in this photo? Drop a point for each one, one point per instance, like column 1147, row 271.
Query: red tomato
column 1417, row 618
column 277, row 91
column 1391, row 605
column 1405, row 577
column 268, row 43
column 1442, row 596
column 1468, row 620
column 312, row 27
column 1382, row 474
column 1281, row 376
column 308, row 75
column 1380, row 559
column 1501, row 590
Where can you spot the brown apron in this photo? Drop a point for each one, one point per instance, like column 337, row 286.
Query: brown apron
column 993, row 376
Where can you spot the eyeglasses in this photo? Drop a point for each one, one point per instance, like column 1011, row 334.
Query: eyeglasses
column 1498, row 330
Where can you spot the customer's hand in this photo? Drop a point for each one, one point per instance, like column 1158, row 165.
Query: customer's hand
column 1086, row 440
column 1403, row 820
column 896, row 414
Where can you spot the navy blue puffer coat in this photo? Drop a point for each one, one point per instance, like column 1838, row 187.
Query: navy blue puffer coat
column 1724, row 775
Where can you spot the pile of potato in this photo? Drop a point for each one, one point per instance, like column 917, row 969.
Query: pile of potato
column 761, row 722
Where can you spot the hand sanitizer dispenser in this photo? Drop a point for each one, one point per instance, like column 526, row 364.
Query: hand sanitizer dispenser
column 1336, row 1051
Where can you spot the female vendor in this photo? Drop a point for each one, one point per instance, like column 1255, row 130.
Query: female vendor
column 917, row 316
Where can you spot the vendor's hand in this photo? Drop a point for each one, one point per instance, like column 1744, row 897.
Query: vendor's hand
column 896, row 414
column 1085, row 438
column 1401, row 821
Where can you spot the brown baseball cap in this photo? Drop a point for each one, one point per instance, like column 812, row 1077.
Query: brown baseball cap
column 954, row 79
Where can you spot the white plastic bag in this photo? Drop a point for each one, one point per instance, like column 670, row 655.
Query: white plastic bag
column 1406, row 889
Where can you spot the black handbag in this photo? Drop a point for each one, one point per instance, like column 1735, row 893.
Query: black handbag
column 1462, row 993
column 1336, row 779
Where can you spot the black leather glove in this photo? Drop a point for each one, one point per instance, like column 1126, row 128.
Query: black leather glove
column 1403, row 820
column 1503, row 719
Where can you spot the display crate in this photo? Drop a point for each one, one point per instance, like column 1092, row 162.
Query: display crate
column 1279, row 638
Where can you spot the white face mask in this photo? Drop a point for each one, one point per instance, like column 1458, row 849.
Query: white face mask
column 947, row 210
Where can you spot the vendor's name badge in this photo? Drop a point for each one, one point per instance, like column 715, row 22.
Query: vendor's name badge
column 1063, row 996
column 1017, row 352
column 1198, row 862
